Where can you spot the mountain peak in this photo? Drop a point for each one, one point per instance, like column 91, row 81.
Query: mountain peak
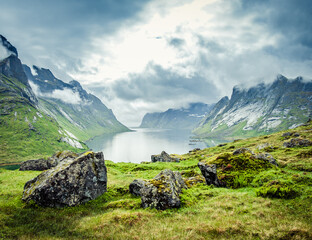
column 6, row 48
column 44, row 73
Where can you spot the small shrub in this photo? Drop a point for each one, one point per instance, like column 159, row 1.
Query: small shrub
column 279, row 189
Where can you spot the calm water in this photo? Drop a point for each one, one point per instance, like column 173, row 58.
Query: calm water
column 139, row 145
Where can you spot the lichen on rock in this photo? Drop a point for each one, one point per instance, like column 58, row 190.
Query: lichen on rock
column 161, row 192
column 73, row 181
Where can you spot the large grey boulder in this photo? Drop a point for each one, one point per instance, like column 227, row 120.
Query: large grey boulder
column 73, row 181
column 163, row 157
column 161, row 192
column 45, row 164
column 209, row 172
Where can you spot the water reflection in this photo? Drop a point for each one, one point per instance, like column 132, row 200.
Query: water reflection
column 139, row 145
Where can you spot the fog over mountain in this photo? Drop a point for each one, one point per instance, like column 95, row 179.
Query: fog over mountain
column 148, row 56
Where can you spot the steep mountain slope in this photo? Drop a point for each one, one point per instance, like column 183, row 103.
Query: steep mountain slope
column 24, row 129
column 262, row 109
column 80, row 113
column 183, row 118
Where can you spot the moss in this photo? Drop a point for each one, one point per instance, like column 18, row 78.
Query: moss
column 279, row 189
column 238, row 171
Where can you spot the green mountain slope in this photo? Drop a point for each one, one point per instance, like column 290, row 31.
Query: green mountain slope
column 25, row 131
column 78, row 112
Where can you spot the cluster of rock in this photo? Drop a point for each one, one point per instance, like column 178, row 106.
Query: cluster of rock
column 297, row 142
column 164, row 157
column 70, row 179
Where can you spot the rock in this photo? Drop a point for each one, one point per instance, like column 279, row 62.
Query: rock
column 290, row 134
column 297, row 142
column 164, row 157
column 268, row 157
column 194, row 180
column 161, row 192
column 43, row 164
column 222, row 145
column 136, row 186
column 194, row 150
column 242, row 150
column 210, row 173
column 38, row 164
column 73, row 181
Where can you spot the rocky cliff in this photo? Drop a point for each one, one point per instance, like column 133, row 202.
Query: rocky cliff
column 258, row 110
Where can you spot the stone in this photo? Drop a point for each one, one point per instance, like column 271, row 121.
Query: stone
column 194, row 150
column 210, row 173
column 38, row 164
column 242, row 150
column 194, row 180
column 45, row 164
column 268, row 157
column 72, row 182
column 162, row 192
column 297, row 142
column 164, row 157
column 290, row 134
column 136, row 186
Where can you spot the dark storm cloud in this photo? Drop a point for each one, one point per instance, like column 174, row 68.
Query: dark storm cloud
column 289, row 18
column 159, row 84
column 62, row 30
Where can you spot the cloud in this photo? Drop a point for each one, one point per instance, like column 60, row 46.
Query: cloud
column 57, row 34
column 143, row 56
column 66, row 95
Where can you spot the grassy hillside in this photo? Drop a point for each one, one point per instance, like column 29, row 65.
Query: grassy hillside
column 260, row 202
column 25, row 132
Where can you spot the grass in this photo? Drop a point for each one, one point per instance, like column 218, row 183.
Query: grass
column 251, row 210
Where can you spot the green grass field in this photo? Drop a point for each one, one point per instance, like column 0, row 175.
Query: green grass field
column 250, row 208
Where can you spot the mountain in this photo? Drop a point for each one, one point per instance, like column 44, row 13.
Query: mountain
column 262, row 109
column 81, row 114
column 25, row 130
column 183, row 118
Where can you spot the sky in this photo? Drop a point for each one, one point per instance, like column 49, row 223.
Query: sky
column 144, row 56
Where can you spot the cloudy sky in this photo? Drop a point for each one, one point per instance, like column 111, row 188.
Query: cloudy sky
column 143, row 56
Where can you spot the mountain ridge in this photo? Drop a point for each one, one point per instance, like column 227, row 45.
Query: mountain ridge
column 182, row 118
column 260, row 109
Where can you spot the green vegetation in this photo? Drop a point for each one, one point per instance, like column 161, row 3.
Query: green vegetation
column 26, row 132
column 261, row 201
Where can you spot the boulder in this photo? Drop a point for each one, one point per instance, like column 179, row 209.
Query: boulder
column 297, row 142
column 45, row 164
column 136, row 186
column 38, row 164
column 73, row 181
column 268, row 157
column 290, row 134
column 163, row 157
column 210, row 173
column 242, row 150
column 161, row 192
